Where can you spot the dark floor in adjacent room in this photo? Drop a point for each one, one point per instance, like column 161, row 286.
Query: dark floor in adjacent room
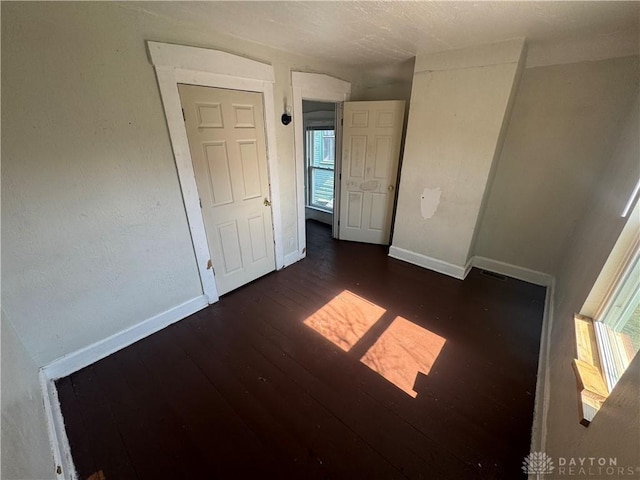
column 348, row 364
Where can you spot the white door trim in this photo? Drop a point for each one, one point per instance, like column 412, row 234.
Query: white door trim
column 176, row 64
column 322, row 88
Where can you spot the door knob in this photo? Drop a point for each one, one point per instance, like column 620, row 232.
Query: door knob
column 267, row 203
column 391, row 187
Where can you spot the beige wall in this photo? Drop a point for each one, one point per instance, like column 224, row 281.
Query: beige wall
column 459, row 101
column 560, row 133
column 25, row 446
column 393, row 91
column 95, row 237
column 387, row 82
column 615, row 431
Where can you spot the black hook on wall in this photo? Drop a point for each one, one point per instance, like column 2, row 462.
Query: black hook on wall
column 286, row 116
column 286, row 119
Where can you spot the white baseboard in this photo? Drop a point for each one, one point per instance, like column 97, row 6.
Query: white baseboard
column 541, row 402
column 75, row 361
column 468, row 267
column 440, row 266
column 58, row 439
column 79, row 359
column 318, row 215
column 513, row 271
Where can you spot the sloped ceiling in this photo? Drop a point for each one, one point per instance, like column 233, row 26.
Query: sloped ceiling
column 370, row 35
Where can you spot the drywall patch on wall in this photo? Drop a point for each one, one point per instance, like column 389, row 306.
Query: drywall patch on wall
column 429, row 201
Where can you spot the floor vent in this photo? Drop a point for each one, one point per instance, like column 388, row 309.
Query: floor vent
column 497, row 276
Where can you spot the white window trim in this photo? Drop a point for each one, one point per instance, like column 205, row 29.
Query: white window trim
column 624, row 253
column 595, row 368
column 176, row 64
column 623, row 276
column 624, row 281
column 322, row 88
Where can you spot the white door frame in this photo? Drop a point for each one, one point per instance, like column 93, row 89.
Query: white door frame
column 176, row 64
column 321, row 88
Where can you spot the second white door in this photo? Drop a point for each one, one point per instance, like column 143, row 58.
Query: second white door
column 225, row 129
column 372, row 132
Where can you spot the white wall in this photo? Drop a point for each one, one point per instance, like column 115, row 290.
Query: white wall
column 95, row 237
column 25, row 446
column 562, row 125
column 615, row 431
column 459, row 106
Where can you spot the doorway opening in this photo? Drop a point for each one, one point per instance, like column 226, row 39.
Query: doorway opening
column 320, row 161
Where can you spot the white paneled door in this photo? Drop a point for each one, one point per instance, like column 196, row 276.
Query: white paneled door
column 370, row 151
column 225, row 129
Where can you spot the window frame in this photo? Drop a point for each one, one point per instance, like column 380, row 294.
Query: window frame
column 309, row 167
column 627, row 286
column 601, row 352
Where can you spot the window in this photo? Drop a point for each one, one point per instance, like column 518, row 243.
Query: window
column 617, row 328
column 321, row 148
column 608, row 332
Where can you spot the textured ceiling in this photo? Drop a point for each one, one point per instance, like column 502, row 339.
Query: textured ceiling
column 372, row 34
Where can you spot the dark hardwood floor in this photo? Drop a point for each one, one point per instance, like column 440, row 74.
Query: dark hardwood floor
column 247, row 389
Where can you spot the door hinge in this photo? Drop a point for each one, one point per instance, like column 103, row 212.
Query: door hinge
column 200, row 200
column 339, row 176
column 184, row 116
column 342, row 121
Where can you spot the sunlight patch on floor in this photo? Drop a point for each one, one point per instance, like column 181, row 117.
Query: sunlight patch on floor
column 345, row 319
column 403, row 350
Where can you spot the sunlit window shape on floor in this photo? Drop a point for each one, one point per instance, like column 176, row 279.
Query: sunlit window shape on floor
column 403, row 350
column 345, row 319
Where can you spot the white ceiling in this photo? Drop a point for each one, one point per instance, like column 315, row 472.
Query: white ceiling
column 373, row 34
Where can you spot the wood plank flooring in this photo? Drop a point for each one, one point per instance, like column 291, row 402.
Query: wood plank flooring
column 247, row 389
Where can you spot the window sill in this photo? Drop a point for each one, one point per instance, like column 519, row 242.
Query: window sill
column 592, row 388
column 320, row 209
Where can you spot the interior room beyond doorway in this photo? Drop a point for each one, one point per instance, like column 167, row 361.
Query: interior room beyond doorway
column 320, row 160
